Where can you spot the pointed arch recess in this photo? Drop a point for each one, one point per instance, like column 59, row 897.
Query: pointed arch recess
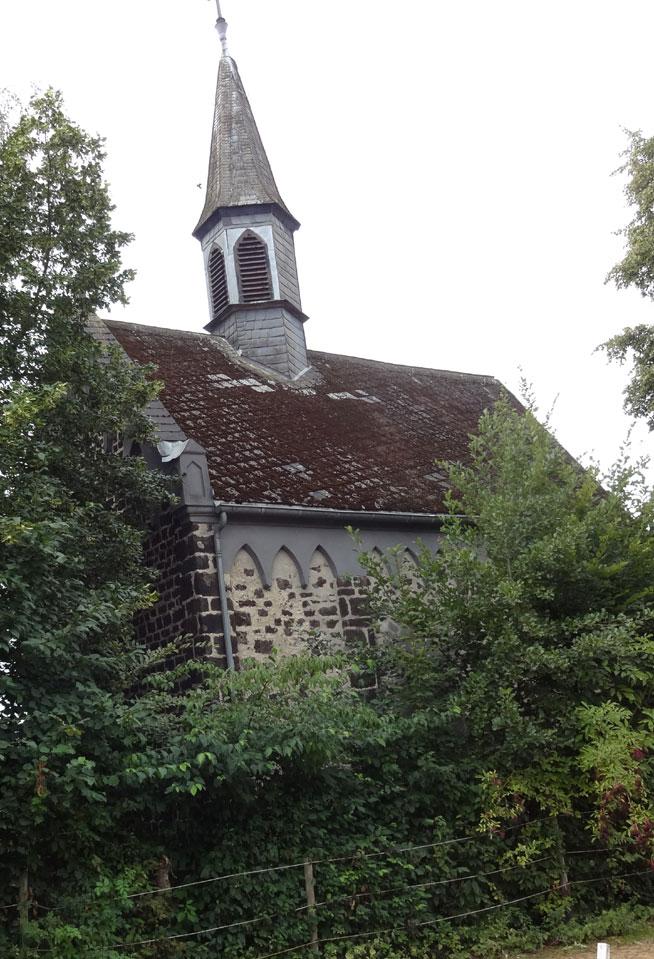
column 321, row 554
column 253, row 268
column 247, row 549
column 410, row 556
column 218, row 281
column 284, row 553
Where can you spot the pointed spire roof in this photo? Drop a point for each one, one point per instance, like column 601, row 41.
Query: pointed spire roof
column 239, row 170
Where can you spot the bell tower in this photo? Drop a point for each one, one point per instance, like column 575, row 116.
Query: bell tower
column 247, row 236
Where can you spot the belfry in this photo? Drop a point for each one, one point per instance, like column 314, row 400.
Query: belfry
column 246, row 231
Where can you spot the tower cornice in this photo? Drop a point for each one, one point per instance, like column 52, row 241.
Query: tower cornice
column 224, row 212
column 233, row 308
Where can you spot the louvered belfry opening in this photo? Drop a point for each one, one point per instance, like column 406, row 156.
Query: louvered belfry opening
column 218, row 281
column 253, row 269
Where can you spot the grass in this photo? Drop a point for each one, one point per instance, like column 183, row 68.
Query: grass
column 642, row 932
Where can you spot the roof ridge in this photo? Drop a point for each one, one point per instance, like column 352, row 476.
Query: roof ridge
column 159, row 329
column 482, row 377
column 479, row 377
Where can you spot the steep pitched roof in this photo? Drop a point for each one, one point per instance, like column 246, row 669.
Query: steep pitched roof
column 352, row 434
column 239, row 170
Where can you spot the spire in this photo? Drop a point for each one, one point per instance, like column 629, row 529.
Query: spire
column 239, row 170
column 246, row 234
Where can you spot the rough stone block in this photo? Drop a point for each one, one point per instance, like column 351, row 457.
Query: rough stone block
column 205, row 584
column 360, row 606
column 213, row 623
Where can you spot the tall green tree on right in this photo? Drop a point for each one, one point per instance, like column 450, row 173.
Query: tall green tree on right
column 636, row 269
column 523, row 649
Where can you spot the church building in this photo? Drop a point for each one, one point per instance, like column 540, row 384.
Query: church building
column 279, row 449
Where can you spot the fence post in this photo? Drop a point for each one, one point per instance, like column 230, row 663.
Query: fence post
column 310, row 889
column 23, row 908
column 603, row 950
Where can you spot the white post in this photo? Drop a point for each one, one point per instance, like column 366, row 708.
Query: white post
column 603, row 950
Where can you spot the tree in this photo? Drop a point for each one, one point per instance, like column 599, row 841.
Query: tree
column 636, row 269
column 527, row 647
column 72, row 510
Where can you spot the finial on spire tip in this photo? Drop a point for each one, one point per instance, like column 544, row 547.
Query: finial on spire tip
column 221, row 27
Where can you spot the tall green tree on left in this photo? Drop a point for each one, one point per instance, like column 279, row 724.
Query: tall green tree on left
column 73, row 509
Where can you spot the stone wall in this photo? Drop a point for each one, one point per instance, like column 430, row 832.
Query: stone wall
column 182, row 554
column 290, row 608
column 289, row 615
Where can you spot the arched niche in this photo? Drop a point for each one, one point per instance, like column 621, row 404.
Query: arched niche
column 246, row 591
column 247, row 556
column 286, row 568
column 321, row 604
column 321, row 565
column 410, row 567
column 409, row 557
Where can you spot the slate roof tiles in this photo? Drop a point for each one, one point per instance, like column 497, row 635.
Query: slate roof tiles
column 351, row 434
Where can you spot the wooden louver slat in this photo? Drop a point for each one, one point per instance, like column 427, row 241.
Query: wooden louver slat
column 253, row 269
column 218, row 281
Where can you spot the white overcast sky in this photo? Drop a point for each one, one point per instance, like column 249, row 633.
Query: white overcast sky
column 450, row 163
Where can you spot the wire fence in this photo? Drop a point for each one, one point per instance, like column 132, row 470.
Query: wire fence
column 315, row 910
column 358, row 854
column 312, row 943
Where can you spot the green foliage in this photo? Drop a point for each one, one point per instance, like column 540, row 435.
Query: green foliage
column 636, row 269
column 526, row 646
column 626, row 919
column 72, row 513
column 637, row 266
column 59, row 256
column 514, row 709
column 636, row 343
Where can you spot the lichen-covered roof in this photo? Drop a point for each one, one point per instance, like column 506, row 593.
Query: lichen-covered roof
column 239, row 170
column 351, row 434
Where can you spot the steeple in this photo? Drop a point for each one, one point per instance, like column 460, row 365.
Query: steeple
column 239, row 169
column 246, row 231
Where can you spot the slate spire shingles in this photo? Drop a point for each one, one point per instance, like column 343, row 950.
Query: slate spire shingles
column 239, row 170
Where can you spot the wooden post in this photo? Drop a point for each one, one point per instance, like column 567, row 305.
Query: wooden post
column 310, row 889
column 23, row 907
column 564, row 884
column 603, row 950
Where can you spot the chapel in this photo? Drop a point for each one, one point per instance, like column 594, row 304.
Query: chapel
column 279, row 451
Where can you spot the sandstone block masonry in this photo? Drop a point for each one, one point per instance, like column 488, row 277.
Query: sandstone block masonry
column 290, row 616
column 287, row 614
